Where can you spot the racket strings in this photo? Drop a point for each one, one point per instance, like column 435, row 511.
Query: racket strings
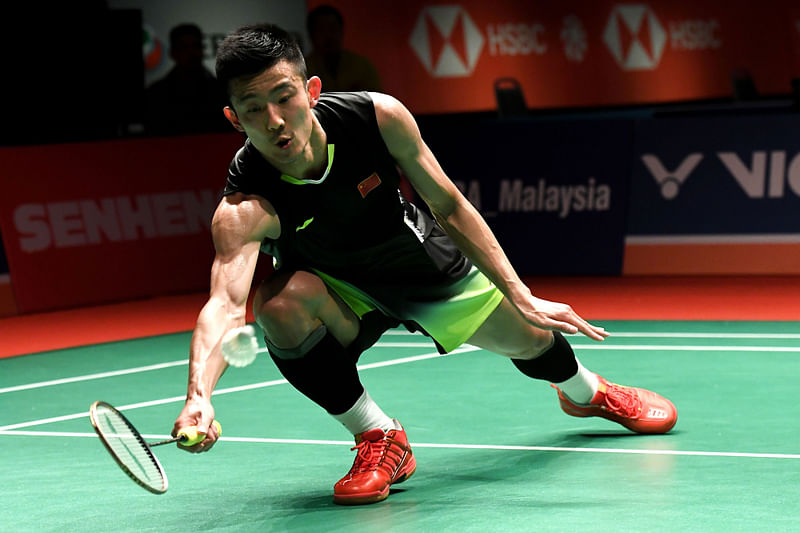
column 130, row 449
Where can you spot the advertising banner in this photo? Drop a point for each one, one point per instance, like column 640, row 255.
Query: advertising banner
column 102, row 222
column 715, row 195
column 554, row 193
column 446, row 56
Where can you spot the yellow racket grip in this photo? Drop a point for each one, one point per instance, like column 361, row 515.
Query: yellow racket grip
column 189, row 435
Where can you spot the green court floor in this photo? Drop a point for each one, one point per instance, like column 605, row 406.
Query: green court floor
column 494, row 451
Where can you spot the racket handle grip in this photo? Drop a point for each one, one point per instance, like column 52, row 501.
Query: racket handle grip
column 189, row 435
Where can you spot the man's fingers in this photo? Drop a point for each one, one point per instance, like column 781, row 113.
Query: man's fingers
column 593, row 332
column 575, row 324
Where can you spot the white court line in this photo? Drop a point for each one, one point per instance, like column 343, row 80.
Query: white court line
column 701, row 335
column 229, row 390
column 169, row 364
column 94, row 376
column 577, row 345
column 398, row 332
column 690, row 348
column 633, row 451
column 663, row 335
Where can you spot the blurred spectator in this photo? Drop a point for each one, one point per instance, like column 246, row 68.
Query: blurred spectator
column 73, row 71
column 339, row 69
column 188, row 99
column 3, row 260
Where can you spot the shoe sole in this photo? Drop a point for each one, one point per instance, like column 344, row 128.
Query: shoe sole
column 632, row 425
column 373, row 497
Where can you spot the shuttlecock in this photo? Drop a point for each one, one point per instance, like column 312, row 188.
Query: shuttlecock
column 239, row 346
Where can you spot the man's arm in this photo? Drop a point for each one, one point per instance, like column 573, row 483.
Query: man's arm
column 462, row 222
column 239, row 225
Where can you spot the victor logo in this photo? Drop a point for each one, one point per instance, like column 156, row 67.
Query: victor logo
column 762, row 175
column 671, row 180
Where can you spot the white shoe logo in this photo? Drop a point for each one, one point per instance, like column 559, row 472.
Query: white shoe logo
column 656, row 413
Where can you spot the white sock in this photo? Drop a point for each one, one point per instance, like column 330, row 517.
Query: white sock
column 365, row 415
column 581, row 387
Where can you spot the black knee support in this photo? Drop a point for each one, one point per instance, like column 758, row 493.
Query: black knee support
column 555, row 365
column 306, row 346
column 321, row 369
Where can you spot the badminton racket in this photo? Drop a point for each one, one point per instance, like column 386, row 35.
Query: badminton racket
column 129, row 449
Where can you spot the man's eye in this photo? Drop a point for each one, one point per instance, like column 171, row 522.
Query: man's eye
column 254, row 109
column 283, row 99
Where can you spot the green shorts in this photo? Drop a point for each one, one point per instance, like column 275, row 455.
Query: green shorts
column 450, row 317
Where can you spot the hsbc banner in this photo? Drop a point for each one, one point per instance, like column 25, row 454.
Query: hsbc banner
column 554, row 193
column 102, row 222
column 445, row 56
column 715, row 195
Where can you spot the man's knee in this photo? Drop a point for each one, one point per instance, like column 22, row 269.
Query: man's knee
column 299, row 351
column 539, row 343
column 286, row 307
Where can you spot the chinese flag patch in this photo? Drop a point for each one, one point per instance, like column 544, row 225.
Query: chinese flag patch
column 366, row 186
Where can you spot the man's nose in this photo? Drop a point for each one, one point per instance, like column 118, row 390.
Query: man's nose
column 275, row 121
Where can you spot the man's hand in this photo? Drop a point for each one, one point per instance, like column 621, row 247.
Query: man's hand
column 200, row 413
column 560, row 317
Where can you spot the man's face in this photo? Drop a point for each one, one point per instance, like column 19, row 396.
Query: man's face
column 187, row 51
column 274, row 109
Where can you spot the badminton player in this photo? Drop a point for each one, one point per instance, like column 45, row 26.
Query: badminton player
column 315, row 187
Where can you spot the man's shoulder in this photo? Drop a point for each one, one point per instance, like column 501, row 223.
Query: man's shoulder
column 347, row 109
column 345, row 99
column 247, row 169
column 242, row 217
column 244, row 159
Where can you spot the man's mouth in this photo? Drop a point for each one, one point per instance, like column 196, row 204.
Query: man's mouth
column 283, row 142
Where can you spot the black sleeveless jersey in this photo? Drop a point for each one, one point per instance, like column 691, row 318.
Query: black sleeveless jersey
column 353, row 224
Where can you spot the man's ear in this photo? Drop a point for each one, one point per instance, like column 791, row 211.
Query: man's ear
column 314, row 88
column 233, row 118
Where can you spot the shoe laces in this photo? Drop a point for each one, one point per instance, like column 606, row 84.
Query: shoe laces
column 622, row 400
column 371, row 455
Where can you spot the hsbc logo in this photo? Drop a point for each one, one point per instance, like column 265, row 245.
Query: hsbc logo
column 449, row 43
column 446, row 41
column 765, row 175
column 635, row 37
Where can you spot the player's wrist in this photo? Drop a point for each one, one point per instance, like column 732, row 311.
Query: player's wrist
column 519, row 294
column 196, row 395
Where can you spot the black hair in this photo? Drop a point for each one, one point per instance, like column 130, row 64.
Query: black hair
column 184, row 29
column 252, row 49
column 322, row 11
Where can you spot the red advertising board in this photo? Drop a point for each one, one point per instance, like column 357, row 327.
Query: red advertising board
column 90, row 223
column 445, row 56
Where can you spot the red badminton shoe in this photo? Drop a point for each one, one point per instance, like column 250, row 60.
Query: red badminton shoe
column 383, row 459
column 639, row 410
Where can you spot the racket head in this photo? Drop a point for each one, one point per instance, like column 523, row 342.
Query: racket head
column 128, row 448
